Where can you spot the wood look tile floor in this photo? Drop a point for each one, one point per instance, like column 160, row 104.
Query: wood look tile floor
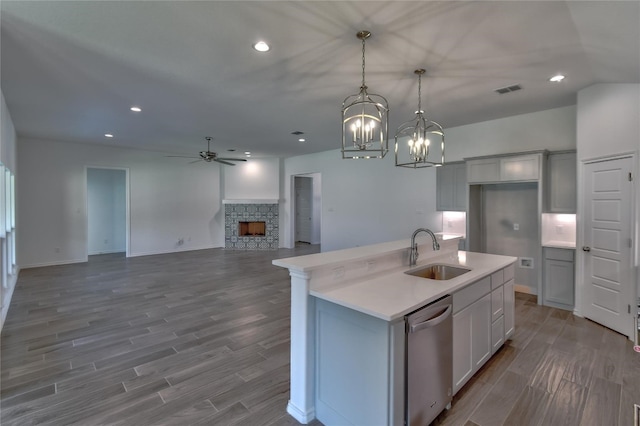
column 202, row 338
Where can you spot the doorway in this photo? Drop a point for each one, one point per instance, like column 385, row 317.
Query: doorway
column 307, row 208
column 107, row 211
column 607, row 251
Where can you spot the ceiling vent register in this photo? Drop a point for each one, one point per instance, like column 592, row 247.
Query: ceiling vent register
column 508, row 89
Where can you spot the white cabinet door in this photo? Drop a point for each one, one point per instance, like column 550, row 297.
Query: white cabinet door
column 460, row 187
column 481, row 331
column 451, row 188
column 445, row 187
column 509, row 309
column 462, row 360
column 561, row 187
column 471, row 340
column 522, row 167
column 497, row 334
column 483, row 170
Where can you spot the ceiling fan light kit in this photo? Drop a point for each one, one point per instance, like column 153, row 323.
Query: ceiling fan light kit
column 419, row 142
column 365, row 120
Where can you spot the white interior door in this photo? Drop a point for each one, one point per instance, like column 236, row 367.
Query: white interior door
column 608, row 271
column 304, row 208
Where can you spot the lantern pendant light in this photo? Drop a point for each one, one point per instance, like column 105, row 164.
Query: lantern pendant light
column 365, row 120
column 419, row 142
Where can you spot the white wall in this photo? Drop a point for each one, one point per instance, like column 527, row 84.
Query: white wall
column 553, row 129
column 608, row 124
column 106, row 210
column 371, row 201
column 169, row 199
column 8, row 149
column 608, row 120
column 363, row 201
column 258, row 178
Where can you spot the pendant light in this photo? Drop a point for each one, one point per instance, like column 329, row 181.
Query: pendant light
column 365, row 120
column 424, row 144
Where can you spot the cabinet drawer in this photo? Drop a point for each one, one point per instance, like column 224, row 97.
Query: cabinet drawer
column 497, row 334
column 471, row 293
column 558, row 254
column 497, row 279
column 509, row 272
column 497, row 303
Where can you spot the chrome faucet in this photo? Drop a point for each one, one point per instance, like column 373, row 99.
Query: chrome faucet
column 413, row 257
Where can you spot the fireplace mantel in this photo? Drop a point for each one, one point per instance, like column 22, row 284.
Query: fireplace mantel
column 252, row 201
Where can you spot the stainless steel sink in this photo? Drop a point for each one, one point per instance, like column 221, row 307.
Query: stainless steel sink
column 438, row 272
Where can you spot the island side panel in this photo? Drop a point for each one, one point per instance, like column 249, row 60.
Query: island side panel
column 355, row 367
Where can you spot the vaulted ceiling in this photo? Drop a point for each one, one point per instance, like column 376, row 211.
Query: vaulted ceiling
column 71, row 70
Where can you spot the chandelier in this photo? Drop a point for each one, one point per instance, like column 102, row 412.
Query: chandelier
column 365, row 120
column 424, row 145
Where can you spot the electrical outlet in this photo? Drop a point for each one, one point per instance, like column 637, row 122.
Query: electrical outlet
column 57, row 249
column 516, row 226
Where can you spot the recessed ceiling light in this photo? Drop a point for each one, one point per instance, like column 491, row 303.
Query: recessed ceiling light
column 108, row 135
column 557, row 78
column 261, row 46
column 247, row 152
column 302, row 140
column 135, row 109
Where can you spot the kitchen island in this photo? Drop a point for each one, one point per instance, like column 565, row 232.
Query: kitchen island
column 348, row 330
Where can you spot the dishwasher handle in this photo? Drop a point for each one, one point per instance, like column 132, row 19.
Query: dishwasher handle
column 432, row 322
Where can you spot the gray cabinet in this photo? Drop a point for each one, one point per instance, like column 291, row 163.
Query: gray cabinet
column 451, row 188
column 559, row 278
column 561, row 183
column 510, row 168
column 482, row 320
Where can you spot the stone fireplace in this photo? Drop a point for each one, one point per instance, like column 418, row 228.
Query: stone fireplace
column 251, row 224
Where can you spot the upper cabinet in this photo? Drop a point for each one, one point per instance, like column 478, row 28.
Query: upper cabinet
column 561, row 183
column 451, row 188
column 512, row 168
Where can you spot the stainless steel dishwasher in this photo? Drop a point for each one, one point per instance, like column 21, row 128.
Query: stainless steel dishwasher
column 428, row 366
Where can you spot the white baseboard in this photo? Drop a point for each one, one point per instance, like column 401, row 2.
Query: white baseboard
column 300, row 415
column 524, row 289
column 151, row 253
column 55, row 263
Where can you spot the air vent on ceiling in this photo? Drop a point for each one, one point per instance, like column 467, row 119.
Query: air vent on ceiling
column 297, row 133
column 508, row 89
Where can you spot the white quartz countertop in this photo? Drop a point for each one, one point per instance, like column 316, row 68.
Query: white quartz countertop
column 392, row 294
column 559, row 244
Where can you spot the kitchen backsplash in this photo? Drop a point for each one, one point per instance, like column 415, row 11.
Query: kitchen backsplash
column 454, row 223
column 559, row 230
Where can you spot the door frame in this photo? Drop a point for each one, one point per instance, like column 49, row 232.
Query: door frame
column 127, row 208
column 316, row 178
column 580, row 234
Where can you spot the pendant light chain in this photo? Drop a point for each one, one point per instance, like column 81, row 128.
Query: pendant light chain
column 420, row 93
column 363, row 39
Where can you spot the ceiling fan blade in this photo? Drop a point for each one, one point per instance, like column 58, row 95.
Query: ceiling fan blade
column 232, row 159
column 191, row 162
column 179, row 156
column 220, row 160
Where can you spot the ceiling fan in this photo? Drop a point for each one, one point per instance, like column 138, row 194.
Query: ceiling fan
column 210, row 156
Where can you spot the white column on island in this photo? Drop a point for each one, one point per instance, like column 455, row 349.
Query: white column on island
column 302, row 398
